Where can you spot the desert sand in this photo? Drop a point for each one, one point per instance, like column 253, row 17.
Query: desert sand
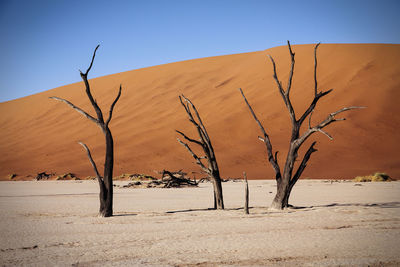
column 336, row 224
column 39, row 134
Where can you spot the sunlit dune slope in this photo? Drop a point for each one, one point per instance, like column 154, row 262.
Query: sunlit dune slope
column 39, row 134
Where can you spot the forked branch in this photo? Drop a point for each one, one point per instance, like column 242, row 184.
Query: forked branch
column 312, row 106
column 99, row 120
column 285, row 94
column 318, row 128
column 88, row 92
column 201, row 129
column 317, row 96
column 189, row 105
column 91, row 63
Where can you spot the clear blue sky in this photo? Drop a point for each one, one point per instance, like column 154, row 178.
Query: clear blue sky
column 45, row 42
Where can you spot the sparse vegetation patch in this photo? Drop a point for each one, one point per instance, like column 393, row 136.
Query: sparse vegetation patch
column 11, row 176
column 376, row 177
column 67, row 176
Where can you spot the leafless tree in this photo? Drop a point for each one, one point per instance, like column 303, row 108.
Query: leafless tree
column 204, row 142
column 286, row 180
column 105, row 182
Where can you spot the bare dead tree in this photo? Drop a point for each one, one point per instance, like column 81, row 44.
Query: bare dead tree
column 286, row 180
column 105, row 182
column 204, row 142
column 246, row 194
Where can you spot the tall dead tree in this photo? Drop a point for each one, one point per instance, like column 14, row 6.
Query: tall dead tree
column 286, row 180
column 204, row 142
column 105, row 182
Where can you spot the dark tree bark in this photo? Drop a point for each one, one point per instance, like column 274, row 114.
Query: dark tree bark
column 105, row 182
column 204, row 142
column 246, row 194
column 286, row 180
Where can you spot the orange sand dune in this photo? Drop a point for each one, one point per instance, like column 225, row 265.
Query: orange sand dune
column 39, row 134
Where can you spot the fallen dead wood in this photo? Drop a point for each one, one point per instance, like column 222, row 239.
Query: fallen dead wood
column 168, row 180
column 176, row 179
column 43, row 176
column 134, row 177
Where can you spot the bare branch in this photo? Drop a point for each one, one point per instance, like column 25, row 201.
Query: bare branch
column 315, row 70
column 198, row 117
column 285, row 95
column 88, row 92
column 189, row 139
column 201, row 129
column 112, row 105
column 76, row 108
column 309, row 119
column 330, row 119
column 186, row 108
column 303, row 164
column 278, row 83
column 317, row 96
column 92, row 161
column 91, row 63
column 198, row 159
column 312, row 106
column 289, row 85
column 276, row 156
column 202, row 134
column 325, row 133
column 255, row 117
column 266, row 139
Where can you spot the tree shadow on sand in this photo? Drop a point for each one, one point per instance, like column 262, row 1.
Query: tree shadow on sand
column 124, row 214
column 290, row 209
column 194, row 210
column 367, row 205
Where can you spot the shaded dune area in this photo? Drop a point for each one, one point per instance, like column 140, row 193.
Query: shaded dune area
column 39, row 134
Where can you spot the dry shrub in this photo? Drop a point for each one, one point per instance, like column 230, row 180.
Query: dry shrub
column 11, row 176
column 67, row 176
column 376, row 177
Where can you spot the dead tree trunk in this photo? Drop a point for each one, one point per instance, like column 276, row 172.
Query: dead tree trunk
column 246, row 194
column 105, row 182
column 286, row 180
column 205, row 143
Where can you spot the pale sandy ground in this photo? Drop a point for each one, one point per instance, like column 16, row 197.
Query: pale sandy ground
column 55, row 224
